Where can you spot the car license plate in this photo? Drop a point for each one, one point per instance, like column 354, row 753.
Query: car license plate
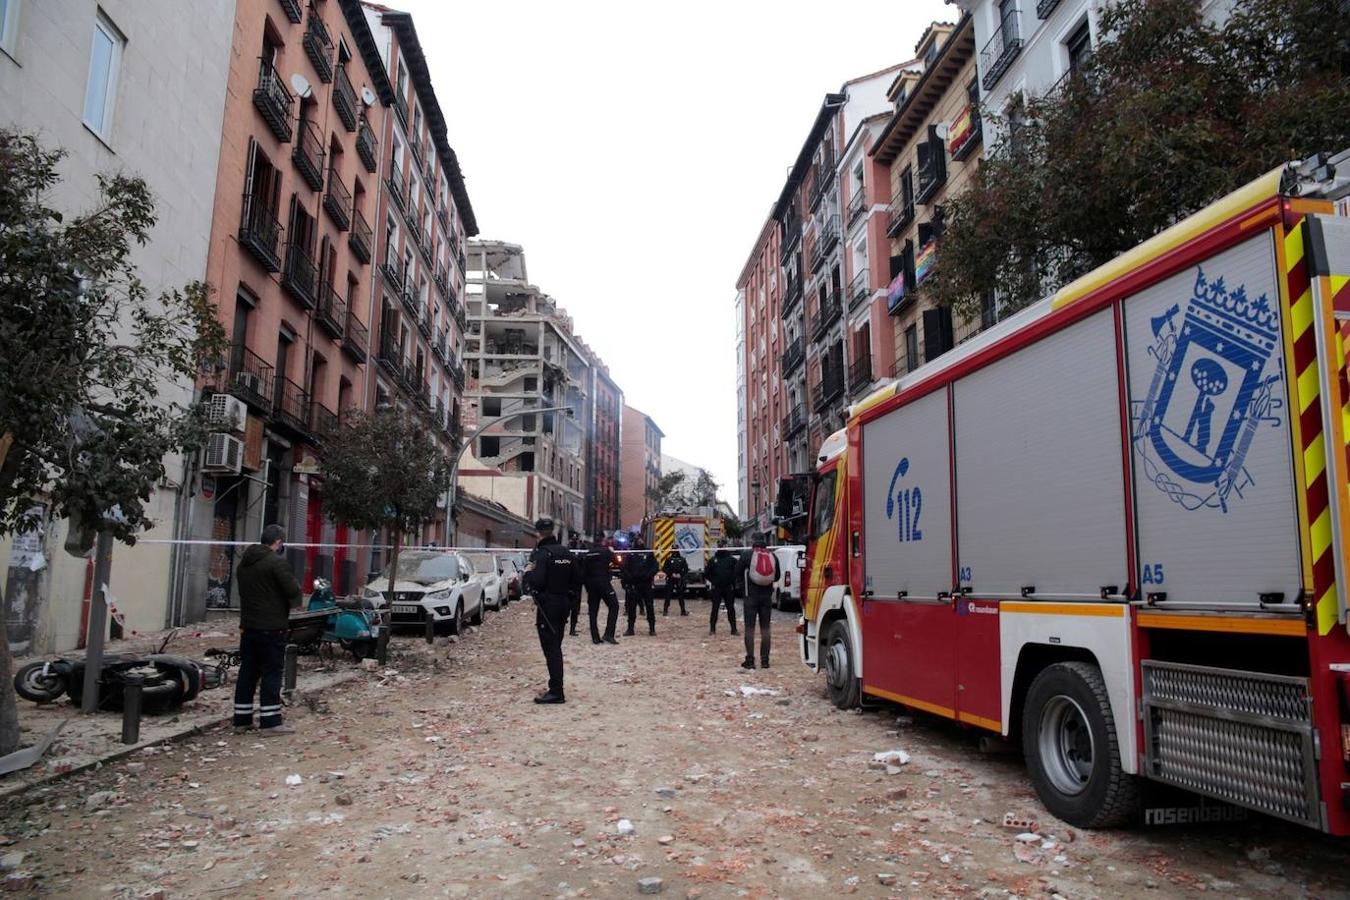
column 405, row 608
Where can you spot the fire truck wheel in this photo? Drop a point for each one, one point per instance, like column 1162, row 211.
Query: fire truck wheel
column 1069, row 738
column 841, row 678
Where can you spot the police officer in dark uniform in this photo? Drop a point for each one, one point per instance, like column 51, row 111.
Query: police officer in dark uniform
column 553, row 574
column 574, row 545
column 595, row 568
column 639, row 568
column 677, row 577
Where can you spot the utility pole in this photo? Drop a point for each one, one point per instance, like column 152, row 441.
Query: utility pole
column 98, row 622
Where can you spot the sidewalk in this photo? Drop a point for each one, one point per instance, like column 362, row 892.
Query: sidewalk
column 89, row 741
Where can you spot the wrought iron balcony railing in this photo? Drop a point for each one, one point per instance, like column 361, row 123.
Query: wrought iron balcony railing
column 290, row 405
column 389, row 354
column 831, row 387
column 826, row 240
column 857, row 205
column 860, row 374
column 331, row 313
column 827, row 314
column 344, row 99
column 794, row 421
column 249, row 378
column 901, row 213
column 323, row 422
column 318, row 45
column 273, row 100
column 293, row 10
column 367, row 145
column 859, row 289
column 356, row 338
column 1002, row 47
column 259, row 232
column 793, row 356
column 300, row 276
column 360, row 238
column 307, row 154
column 337, row 201
column 932, row 174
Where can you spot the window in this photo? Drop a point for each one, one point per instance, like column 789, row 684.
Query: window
column 911, row 348
column 105, row 58
column 9, row 23
column 822, row 505
column 1079, row 46
column 492, row 407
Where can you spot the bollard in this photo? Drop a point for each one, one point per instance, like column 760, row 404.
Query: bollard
column 382, row 646
column 288, row 678
column 131, row 709
column 431, row 629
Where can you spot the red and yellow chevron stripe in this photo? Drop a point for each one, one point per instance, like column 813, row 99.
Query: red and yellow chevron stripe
column 1314, row 438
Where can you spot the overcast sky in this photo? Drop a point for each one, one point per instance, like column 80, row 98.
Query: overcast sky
column 634, row 151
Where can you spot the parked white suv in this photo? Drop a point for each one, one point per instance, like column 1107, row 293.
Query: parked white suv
column 787, row 590
column 489, row 569
column 430, row 584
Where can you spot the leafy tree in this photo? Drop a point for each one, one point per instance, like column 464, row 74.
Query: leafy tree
column 676, row 490
column 1171, row 112
column 87, row 355
column 667, row 491
column 381, row 471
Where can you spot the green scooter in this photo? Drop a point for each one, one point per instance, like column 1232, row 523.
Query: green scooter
column 354, row 624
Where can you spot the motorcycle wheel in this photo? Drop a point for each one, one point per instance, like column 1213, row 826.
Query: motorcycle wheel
column 32, row 684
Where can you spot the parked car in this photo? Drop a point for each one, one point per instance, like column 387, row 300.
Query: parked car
column 787, row 590
column 430, row 584
column 513, row 575
column 489, row 570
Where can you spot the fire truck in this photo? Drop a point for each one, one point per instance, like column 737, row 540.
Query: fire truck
column 1114, row 528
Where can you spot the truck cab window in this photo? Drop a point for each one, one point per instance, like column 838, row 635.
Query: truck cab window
column 822, row 505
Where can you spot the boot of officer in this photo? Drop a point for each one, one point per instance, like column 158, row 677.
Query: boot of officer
column 552, row 575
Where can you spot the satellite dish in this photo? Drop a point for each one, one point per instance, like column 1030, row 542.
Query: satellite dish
column 301, row 85
column 367, row 96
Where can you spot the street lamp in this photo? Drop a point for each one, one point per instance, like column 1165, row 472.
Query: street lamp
column 453, row 493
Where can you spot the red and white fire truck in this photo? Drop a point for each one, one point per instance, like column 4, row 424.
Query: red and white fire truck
column 1115, row 526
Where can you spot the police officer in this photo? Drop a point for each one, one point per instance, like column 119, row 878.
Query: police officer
column 677, row 574
column 552, row 576
column 639, row 568
column 595, row 568
column 721, row 574
column 574, row 545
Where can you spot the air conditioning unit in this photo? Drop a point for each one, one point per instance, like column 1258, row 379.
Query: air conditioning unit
column 226, row 413
column 224, row 454
column 249, row 381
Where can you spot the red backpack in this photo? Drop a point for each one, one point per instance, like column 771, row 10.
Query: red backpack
column 761, row 567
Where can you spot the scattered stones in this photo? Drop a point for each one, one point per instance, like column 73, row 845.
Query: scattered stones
column 892, row 758
column 11, row 861
column 650, row 885
column 99, row 800
column 18, row 881
column 625, row 827
column 666, row 839
column 886, row 878
column 343, row 800
column 667, row 792
column 293, row 780
column 579, row 843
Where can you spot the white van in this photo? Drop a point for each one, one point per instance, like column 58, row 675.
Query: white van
column 787, row 590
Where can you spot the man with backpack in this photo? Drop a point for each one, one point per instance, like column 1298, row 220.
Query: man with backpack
column 721, row 574
column 759, row 570
column 639, row 568
column 677, row 575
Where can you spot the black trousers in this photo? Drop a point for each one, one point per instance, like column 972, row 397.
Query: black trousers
column 762, row 608
column 575, row 602
column 550, row 618
column 595, row 593
column 722, row 594
column 639, row 596
column 262, row 659
column 675, row 590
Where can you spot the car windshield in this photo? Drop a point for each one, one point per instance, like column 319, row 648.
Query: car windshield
column 483, row 562
column 426, row 568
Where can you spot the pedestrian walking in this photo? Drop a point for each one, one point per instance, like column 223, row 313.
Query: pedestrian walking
column 268, row 592
column 759, row 571
column 677, row 576
column 639, row 568
column 597, row 577
column 721, row 575
column 553, row 574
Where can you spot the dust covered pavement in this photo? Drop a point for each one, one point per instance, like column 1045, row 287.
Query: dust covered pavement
column 439, row 777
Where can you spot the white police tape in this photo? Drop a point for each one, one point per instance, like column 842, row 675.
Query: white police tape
column 414, row 547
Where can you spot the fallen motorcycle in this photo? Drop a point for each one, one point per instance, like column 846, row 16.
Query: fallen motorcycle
column 353, row 624
column 167, row 680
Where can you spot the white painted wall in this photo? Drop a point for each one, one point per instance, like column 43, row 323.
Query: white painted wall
column 166, row 127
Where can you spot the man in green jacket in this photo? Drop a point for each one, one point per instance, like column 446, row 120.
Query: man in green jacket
column 268, row 592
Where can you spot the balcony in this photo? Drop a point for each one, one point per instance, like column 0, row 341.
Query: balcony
column 250, row 379
column 273, row 99
column 308, row 154
column 794, row 421
column 441, row 282
column 337, row 201
column 859, row 289
column 367, row 146
column 424, row 321
column 793, row 356
column 259, row 232
column 1045, row 7
column 901, row 212
column 932, row 173
column 323, row 422
column 438, row 344
column 344, row 99
column 825, row 242
column 857, row 205
column 459, row 258
column 792, row 236
column 300, row 277
column 409, row 295
column 401, row 107
column 290, row 406
column 318, row 45
column 332, row 312
column 830, row 389
column 967, row 133
column 292, row 10
column 457, row 373
column 360, row 237
column 824, row 178
column 390, row 355
column 356, row 338
column 395, row 192
column 1002, row 48
column 393, row 276
column 826, row 315
column 445, row 219
column 860, row 375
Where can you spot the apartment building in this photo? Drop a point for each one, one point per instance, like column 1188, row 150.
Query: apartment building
column 605, row 426
column 522, row 354
column 769, row 354
column 130, row 85
column 930, row 149
column 639, row 466
column 290, row 259
column 742, row 482
column 423, row 223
